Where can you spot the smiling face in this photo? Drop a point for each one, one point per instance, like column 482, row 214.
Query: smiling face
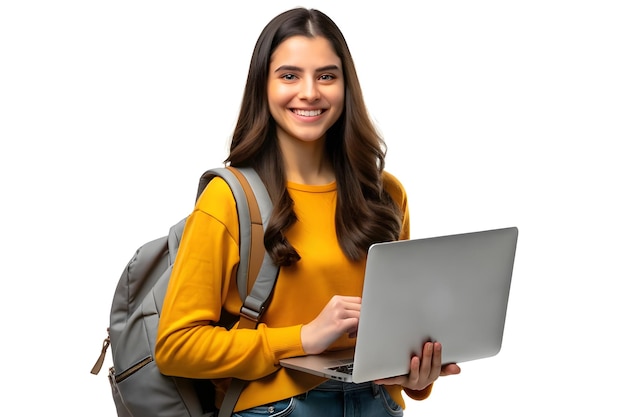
column 305, row 88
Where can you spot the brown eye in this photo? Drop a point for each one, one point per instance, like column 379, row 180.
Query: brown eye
column 288, row 77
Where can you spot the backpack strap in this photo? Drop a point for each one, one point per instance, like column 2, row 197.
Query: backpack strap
column 254, row 208
column 256, row 273
column 259, row 284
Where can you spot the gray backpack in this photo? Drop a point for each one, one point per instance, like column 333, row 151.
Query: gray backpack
column 139, row 389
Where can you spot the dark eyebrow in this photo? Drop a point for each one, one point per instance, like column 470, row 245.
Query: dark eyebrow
column 298, row 69
column 328, row 68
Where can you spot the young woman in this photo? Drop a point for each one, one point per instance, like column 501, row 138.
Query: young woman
column 304, row 127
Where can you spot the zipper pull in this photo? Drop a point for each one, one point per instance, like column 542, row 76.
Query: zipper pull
column 105, row 345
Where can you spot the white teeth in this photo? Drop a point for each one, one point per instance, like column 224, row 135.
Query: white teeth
column 307, row 113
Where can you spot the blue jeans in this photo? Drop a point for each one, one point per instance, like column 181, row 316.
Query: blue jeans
column 332, row 399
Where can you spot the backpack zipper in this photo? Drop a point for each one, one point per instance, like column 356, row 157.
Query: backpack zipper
column 119, row 378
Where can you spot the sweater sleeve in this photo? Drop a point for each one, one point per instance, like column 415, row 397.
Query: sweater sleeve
column 202, row 282
column 397, row 192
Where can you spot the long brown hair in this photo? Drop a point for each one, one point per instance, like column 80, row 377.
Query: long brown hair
column 365, row 212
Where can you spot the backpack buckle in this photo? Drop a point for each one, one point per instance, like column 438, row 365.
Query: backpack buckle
column 249, row 318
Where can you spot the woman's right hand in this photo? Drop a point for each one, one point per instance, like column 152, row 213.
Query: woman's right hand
column 339, row 316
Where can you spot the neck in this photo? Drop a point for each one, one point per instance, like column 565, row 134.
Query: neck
column 307, row 163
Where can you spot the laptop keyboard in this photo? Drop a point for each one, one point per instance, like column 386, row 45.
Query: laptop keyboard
column 346, row 369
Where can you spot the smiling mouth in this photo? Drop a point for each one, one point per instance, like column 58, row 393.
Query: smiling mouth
column 307, row 113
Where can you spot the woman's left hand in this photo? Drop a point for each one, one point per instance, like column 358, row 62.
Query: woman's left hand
column 424, row 371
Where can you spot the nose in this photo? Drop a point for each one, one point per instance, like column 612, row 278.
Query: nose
column 309, row 90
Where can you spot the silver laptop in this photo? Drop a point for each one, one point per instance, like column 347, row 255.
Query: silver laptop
column 451, row 289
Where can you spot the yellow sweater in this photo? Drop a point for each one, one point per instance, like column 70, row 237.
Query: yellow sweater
column 203, row 281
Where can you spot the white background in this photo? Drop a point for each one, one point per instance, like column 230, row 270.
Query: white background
column 496, row 113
